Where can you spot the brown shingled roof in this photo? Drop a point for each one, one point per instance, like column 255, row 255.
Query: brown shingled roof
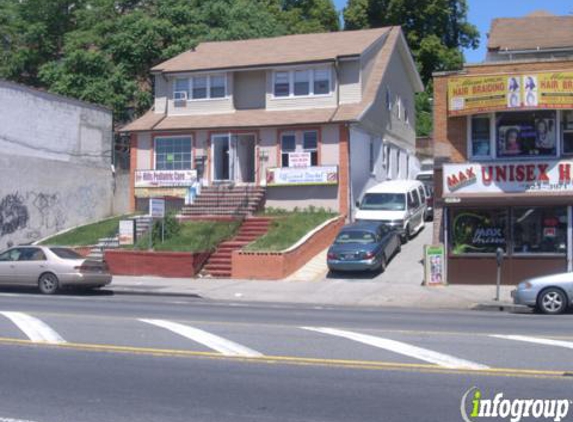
column 535, row 31
column 266, row 118
column 290, row 49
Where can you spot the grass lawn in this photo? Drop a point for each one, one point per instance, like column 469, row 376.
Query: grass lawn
column 194, row 236
column 86, row 235
column 288, row 228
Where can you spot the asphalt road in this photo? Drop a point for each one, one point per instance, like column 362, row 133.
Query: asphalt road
column 79, row 358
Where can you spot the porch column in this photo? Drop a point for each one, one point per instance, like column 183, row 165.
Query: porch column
column 132, row 168
column 343, row 178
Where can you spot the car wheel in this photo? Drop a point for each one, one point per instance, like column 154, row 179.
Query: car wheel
column 552, row 301
column 48, row 283
column 406, row 236
column 383, row 264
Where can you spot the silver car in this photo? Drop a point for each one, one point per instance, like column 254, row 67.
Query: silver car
column 550, row 294
column 50, row 268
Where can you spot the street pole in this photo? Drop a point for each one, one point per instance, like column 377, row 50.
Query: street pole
column 499, row 259
column 163, row 230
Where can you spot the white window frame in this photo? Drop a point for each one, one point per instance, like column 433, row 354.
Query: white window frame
column 311, row 71
column 311, row 150
column 283, row 134
column 173, row 137
column 208, row 97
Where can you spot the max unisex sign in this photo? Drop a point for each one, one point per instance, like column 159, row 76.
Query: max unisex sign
column 509, row 177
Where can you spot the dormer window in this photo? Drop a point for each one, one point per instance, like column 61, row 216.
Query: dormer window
column 200, row 87
column 302, row 82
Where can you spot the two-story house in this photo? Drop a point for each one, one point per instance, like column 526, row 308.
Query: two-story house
column 503, row 130
column 315, row 119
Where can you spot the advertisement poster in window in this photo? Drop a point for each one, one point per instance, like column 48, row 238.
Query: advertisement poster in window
column 478, row 231
column 434, row 265
column 526, row 134
column 299, row 159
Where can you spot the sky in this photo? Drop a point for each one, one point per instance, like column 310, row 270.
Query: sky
column 482, row 12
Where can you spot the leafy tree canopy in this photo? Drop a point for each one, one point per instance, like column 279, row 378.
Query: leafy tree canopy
column 436, row 31
column 101, row 50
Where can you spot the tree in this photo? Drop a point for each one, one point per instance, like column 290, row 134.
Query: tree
column 102, row 50
column 436, row 30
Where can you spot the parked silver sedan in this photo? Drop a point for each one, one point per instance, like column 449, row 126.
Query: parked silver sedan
column 550, row 294
column 50, row 268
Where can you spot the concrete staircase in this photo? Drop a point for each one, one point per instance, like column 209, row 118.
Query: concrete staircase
column 219, row 263
column 226, row 200
column 142, row 226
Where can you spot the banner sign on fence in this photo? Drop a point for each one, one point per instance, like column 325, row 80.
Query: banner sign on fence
column 301, row 176
column 164, row 178
column 156, row 207
column 126, row 232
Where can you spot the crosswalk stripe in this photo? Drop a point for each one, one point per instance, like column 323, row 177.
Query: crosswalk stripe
column 221, row 345
column 536, row 340
column 405, row 349
column 35, row 329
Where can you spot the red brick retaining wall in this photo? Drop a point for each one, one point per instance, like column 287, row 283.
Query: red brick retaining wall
column 161, row 264
column 278, row 265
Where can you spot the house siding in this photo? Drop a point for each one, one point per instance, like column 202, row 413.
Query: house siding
column 350, row 86
column 250, row 90
column 379, row 119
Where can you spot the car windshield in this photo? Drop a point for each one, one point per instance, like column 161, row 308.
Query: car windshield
column 355, row 236
column 384, row 202
column 66, row 253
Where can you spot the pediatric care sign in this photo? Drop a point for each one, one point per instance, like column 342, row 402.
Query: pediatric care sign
column 478, row 94
column 509, row 177
column 164, row 178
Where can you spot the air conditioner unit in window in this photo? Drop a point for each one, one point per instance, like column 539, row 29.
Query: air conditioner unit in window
column 180, row 98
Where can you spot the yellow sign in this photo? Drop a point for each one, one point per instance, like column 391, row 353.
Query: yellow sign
column 160, row 192
column 477, row 94
column 555, row 89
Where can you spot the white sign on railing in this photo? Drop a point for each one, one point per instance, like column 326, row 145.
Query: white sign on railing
column 164, row 178
column 156, row 207
column 300, row 176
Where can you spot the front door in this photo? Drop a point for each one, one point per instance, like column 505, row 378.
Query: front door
column 246, row 158
column 223, row 158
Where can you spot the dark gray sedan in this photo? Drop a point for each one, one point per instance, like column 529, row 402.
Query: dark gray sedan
column 50, row 268
column 363, row 246
column 550, row 294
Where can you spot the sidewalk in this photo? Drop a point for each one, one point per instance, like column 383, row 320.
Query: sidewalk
column 324, row 292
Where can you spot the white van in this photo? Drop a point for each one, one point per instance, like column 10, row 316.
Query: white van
column 400, row 204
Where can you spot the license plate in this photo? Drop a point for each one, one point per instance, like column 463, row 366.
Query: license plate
column 349, row 256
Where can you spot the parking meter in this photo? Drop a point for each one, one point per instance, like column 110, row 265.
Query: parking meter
column 499, row 259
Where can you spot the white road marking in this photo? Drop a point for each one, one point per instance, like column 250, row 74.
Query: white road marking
column 14, row 420
column 537, row 340
column 405, row 349
column 221, row 345
column 35, row 329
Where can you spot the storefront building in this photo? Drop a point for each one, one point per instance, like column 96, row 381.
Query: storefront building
column 312, row 119
column 504, row 147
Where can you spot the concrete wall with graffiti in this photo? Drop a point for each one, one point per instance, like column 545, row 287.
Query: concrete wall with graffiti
column 55, row 166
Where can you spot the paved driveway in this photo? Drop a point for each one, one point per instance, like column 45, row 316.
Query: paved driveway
column 407, row 267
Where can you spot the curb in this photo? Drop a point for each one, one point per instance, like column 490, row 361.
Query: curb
column 501, row 307
column 126, row 292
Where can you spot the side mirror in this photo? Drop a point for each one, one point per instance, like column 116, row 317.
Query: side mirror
column 358, row 204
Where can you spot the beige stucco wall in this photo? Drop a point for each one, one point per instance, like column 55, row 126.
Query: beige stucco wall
column 143, row 151
column 161, row 90
column 250, row 89
column 289, row 197
column 350, row 86
column 329, row 150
